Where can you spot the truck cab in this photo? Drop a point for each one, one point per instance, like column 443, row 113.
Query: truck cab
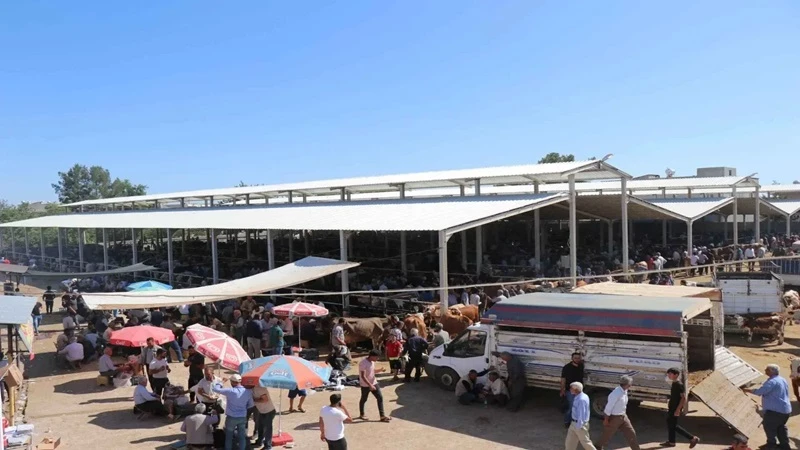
column 469, row 350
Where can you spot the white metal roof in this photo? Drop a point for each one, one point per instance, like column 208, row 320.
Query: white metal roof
column 521, row 174
column 389, row 215
column 298, row 272
column 790, row 207
column 653, row 184
column 690, row 208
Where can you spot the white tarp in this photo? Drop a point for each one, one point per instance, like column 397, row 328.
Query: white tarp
column 298, row 272
column 138, row 267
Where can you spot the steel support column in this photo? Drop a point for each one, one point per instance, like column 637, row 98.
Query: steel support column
column 13, row 244
column 214, row 256
column 134, row 247
column 624, row 223
column 345, row 278
column 788, row 226
column 170, row 259
column 443, row 277
column 27, row 245
column 105, row 249
column 41, row 245
column 573, row 232
column 478, row 240
column 757, row 216
column 59, row 232
column 610, row 225
column 403, row 246
column 81, row 241
column 689, row 232
column 735, row 218
column 664, row 233
column 537, row 230
column 270, row 251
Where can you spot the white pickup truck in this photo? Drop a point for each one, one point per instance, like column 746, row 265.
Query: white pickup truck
column 618, row 335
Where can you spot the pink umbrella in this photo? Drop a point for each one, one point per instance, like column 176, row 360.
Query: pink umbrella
column 300, row 309
column 217, row 345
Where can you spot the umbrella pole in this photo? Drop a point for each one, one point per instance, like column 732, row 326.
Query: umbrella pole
column 280, row 411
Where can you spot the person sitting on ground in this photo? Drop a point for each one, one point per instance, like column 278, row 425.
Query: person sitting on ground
column 106, row 364
column 72, row 354
column 175, row 400
column 468, row 390
column 63, row 340
column 496, row 392
column 68, row 321
column 199, row 428
column 146, row 401
column 739, row 443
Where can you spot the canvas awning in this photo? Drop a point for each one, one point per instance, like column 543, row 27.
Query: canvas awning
column 298, row 272
column 139, row 267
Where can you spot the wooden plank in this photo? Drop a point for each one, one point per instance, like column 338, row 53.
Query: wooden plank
column 733, row 406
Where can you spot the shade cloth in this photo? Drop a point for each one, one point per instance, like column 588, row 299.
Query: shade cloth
column 298, row 272
column 137, row 336
column 139, row 267
column 147, row 286
column 216, row 346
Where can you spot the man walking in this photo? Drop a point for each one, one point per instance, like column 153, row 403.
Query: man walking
column 239, row 400
column 677, row 401
column 571, row 373
column 777, row 407
column 616, row 418
column 578, row 432
column 49, row 297
column 415, row 348
column 366, row 378
column 331, row 423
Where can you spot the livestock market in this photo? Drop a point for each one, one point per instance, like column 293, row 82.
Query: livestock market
column 541, row 306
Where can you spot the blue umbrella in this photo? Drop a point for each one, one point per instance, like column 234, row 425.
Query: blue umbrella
column 148, row 285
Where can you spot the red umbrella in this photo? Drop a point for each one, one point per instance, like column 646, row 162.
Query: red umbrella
column 300, row 309
column 217, row 345
column 137, row 336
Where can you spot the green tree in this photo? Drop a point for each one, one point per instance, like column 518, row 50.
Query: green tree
column 88, row 183
column 556, row 158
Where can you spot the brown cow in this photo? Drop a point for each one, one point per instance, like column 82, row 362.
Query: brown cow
column 469, row 311
column 415, row 321
column 364, row 329
column 455, row 324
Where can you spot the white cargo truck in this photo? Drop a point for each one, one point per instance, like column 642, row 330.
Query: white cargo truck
column 752, row 295
column 618, row 335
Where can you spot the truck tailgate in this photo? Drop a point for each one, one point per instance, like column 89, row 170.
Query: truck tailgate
column 734, row 368
column 731, row 405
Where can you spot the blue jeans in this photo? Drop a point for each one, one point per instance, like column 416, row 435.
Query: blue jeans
column 177, row 349
column 568, row 413
column 264, row 429
column 36, row 321
column 237, row 424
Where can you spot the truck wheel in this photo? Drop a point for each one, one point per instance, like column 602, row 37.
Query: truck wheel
column 597, row 400
column 447, row 378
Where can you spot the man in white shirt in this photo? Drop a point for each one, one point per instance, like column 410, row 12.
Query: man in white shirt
column 264, row 418
column 750, row 253
column 72, row 354
column 159, row 370
column 496, row 391
column 331, row 423
column 615, row 418
column 146, row 401
column 203, row 390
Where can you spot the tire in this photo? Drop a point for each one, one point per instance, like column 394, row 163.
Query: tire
column 597, row 402
column 447, row 378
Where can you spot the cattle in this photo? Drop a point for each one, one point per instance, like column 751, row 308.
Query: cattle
column 454, row 324
column 768, row 325
column 415, row 321
column 469, row 311
column 364, row 329
column 791, row 301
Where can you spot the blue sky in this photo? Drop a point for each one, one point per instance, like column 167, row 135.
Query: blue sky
column 190, row 95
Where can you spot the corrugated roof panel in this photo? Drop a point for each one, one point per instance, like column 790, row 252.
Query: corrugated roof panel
column 656, row 183
column 691, row 208
column 390, row 215
column 786, row 206
column 586, row 170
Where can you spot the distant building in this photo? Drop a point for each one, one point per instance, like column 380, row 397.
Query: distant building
column 716, row 172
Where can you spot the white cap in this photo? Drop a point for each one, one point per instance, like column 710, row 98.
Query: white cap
column 236, row 378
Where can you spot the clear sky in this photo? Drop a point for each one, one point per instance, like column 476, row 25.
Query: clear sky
column 197, row 94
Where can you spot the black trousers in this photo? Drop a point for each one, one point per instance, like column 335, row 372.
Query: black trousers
column 48, row 307
column 192, row 381
column 341, row 444
column 365, row 395
column 775, row 429
column 153, row 407
column 413, row 363
column 158, row 385
column 673, row 428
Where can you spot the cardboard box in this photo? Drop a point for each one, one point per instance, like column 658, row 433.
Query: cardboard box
column 49, row 443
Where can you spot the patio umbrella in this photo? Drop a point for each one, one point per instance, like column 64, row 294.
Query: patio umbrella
column 300, row 309
column 283, row 372
column 148, row 285
column 137, row 336
column 217, row 346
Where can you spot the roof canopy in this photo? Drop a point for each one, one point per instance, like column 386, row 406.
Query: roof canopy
column 448, row 214
column 690, row 208
column 298, row 272
column 656, row 316
column 648, row 290
column 16, row 309
column 13, row 268
column 522, row 174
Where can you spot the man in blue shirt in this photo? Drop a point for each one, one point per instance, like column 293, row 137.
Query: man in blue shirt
column 239, row 400
column 578, row 431
column 777, row 407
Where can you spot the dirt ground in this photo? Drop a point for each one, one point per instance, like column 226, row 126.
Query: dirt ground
column 70, row 405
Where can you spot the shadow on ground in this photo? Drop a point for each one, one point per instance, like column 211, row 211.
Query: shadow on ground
column 125, row 419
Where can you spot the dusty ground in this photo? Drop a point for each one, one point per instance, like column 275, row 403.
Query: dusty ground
column 69, row 405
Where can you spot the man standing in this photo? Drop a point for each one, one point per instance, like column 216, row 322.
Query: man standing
column 331, row 423
column 571, row 373
column 49, row 297
column 517, row 382
column 196, row 363
column 266, row 413
column 777, row 407
column 147, row 356
column 578, row 432
column 276, row 342
column 616, row 418
column 239, row 400
column 415, row 348
column 254, row 333
column 337, row 335
column 366, row 378
column 159, row 371
column 677, row 401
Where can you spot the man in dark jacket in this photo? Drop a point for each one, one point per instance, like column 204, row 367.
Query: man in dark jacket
column 517, row 382
column 415, row 348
